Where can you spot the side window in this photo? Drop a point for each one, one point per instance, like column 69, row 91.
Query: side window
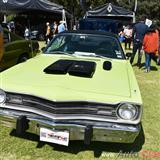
column 6, row 37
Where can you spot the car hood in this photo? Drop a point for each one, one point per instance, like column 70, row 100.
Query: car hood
column 118, row 84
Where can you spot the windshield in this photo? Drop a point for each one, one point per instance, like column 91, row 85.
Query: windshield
column 86, row 45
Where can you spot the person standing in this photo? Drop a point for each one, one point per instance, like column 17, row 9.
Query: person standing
column 11, row 26
column 150, row 46
column 54, row 28
column 26, row 33
column 61, row 27
column 128, row 37
column 48, row 32
column 55, row 31
column 139, row 31
column 121, row 36
column 158, row 59
column 1, row 42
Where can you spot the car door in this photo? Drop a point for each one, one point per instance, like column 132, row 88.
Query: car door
column 1, row 43
column 4, row 60
column 11, row 51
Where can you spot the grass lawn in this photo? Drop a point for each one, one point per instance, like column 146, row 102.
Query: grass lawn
column 29, row 147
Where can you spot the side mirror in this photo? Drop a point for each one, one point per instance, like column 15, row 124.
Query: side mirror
column 128, row 55
column 43, row 48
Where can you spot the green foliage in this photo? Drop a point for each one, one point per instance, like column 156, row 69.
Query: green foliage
column 150, row 9
column 10, row 17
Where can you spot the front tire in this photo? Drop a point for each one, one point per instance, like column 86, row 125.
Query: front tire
column 22, row 58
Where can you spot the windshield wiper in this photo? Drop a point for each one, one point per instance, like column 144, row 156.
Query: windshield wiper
column 100, row 56
column 90, row 55
column 62, row 52
column 84, row 53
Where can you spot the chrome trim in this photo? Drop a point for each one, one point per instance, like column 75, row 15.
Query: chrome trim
column 69, row 117
column 89, row 117
column 105, row 131
column 116, row 103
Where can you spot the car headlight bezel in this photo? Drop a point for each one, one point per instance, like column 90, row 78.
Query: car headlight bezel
column 127, row 111
column 2, row 96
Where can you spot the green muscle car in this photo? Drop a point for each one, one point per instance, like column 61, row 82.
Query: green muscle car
column 16, row 49
column 82, row 87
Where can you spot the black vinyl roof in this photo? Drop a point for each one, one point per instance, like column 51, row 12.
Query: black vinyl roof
column 90, row 32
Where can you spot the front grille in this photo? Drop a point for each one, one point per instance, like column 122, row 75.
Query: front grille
column 78, row 108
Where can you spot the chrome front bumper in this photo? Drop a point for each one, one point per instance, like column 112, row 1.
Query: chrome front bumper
column 78, row 130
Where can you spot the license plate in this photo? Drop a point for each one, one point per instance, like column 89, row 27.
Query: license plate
column 54, row 136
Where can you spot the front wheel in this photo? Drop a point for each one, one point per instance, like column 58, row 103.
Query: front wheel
column 22, row 58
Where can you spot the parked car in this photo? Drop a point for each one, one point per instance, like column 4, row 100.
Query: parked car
column 81, row 88
column 16, row 49
column 38, row 32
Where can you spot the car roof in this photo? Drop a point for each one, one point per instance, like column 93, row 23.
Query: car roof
column 91, row 32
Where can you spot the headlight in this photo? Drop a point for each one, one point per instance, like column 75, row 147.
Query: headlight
column 2, row 96
column 127, row 111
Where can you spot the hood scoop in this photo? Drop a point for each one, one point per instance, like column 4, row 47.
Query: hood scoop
column 59, row 67
column 73, row 67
